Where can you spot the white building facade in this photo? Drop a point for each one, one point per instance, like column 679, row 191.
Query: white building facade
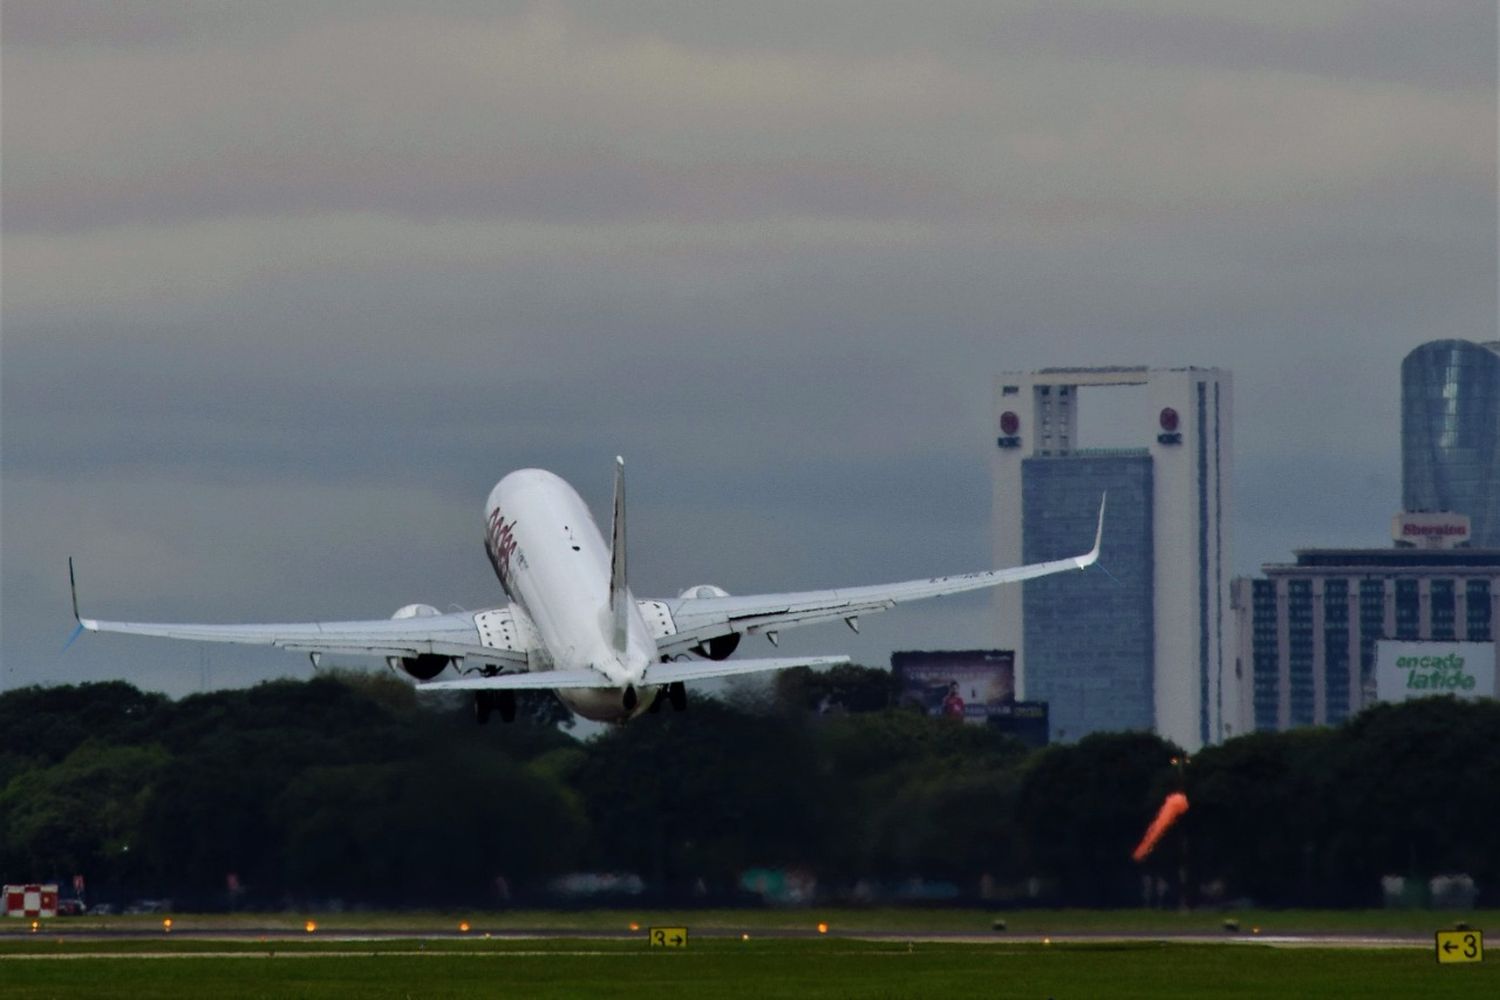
column 1144, row 641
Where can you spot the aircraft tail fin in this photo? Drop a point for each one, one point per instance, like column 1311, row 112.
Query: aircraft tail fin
column 619, row 595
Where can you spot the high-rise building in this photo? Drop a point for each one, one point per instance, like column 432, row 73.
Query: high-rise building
column 1450, row 433
column 1309, row 631
column 1141, row 641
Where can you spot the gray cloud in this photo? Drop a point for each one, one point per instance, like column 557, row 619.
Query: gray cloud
column 287, row 287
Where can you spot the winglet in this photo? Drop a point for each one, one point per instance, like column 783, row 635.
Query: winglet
column 1093, row 554
column 77, row 621
column 619, row 603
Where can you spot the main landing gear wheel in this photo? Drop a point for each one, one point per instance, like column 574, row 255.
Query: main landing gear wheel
column 677, row 695
column 486, row 702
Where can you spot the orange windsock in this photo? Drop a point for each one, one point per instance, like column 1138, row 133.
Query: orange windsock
column 1175, row 805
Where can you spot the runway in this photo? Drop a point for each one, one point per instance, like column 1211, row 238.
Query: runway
column 273, row 935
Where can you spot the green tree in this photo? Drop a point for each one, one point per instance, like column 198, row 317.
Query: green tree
column 1258, row 812
column 1411, row 789
column 848, row 687
column 48, row 723
column 907, row 794
column 79, row 816
column 1083, row 807
column 424, row 830
column 702, row 794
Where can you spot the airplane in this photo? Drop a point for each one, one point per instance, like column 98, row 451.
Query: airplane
column 572, row 625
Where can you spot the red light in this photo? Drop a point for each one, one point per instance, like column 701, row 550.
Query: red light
column 1168, row 419
column 1009, row 423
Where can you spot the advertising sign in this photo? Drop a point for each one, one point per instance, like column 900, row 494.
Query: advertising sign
column 1441, row 530
column 964, row 684
column 1418, row 669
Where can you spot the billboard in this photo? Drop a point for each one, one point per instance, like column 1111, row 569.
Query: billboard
column 1417, row 669
column 966, row 684
column 1441, row 530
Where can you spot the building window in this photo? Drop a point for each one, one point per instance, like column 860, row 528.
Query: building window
column 1299, row 617
column 1371, row 624
column 1442, row 610
column 1478, row 594
column 1336, row 650
column 1265, row 660
column 1408, row 610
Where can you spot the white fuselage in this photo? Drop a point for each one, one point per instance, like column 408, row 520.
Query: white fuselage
column 555, row 566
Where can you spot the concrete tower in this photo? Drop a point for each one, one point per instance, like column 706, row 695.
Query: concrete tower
column 1144, row 642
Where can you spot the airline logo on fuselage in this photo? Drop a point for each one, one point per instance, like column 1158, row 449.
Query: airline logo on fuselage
column 500, row 544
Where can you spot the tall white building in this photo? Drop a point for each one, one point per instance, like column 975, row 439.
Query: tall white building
column 1145, row 640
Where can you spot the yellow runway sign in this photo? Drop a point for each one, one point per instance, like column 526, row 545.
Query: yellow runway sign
column 668, row 937
column 1460, row 946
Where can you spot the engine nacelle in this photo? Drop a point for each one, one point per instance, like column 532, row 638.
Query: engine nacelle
column 423, row 668
column 428, row 665
column 703, row 590
column 720, row 647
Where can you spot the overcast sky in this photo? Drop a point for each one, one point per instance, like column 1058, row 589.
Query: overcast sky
column 288, row 286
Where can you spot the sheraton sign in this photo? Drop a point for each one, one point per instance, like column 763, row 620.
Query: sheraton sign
column 1433, row 531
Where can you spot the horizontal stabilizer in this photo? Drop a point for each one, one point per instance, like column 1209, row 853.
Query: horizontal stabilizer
column 660, row 673
column 532, row 680
column 698, row 670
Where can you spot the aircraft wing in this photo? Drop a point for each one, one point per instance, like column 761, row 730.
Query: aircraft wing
column 443, row 635
column 700, row 619
column 455, row 635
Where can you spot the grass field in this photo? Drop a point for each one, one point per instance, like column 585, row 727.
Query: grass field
column 721, row 968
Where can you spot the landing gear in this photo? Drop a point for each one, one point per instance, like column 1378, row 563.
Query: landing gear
column 677, row 695
column 486, row 702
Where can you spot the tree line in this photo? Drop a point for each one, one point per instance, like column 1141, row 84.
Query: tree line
column 348, row 787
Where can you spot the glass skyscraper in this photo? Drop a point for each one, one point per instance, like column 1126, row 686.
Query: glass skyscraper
column 1090, row 637
column 1450, row 434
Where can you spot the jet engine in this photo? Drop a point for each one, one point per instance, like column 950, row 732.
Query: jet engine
column 428, row 665
column 719, row 647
